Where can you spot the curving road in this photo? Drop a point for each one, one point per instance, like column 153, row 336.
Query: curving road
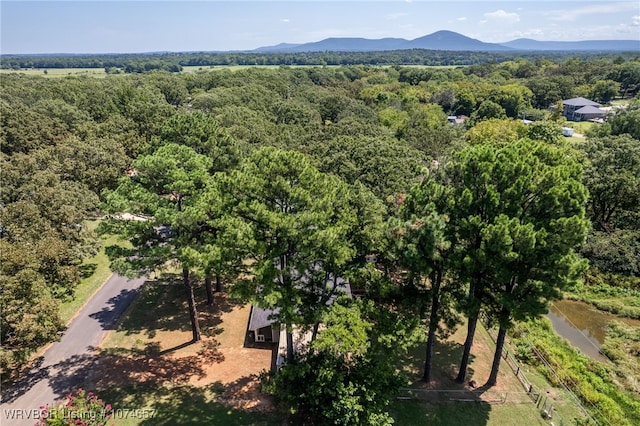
column 67, row 364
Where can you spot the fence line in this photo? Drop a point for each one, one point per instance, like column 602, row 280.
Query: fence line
column 464, row 395
column 564, row 385
column 531, row 392
column 529, row 388
column 541, row 400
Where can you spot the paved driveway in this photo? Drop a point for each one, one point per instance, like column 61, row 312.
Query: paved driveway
column 67, row 364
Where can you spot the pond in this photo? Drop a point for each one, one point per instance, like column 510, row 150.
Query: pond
column 583, row 325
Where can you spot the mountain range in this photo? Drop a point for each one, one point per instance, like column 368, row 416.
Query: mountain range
column 449, row 40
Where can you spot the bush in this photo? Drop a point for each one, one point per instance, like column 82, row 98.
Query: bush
column 82, row 409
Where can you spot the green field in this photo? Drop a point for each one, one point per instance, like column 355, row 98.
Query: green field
column 100, row 72
column 58, row 72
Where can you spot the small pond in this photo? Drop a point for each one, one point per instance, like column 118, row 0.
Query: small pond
column 583, row 325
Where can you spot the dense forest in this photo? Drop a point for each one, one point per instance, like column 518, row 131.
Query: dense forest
column 277, row 181
column 175, row 61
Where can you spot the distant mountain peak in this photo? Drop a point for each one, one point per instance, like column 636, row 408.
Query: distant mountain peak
column 448, row 40
column 446, row 34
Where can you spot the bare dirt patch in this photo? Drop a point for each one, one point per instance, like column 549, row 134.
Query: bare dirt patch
column 153, row 348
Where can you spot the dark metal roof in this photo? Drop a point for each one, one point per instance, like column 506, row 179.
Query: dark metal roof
column 580, row 102
column 263, row 317
column 589, row 110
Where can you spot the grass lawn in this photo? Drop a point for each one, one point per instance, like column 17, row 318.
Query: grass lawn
column 439, row 409
column 564, row 405
column 581, row 127
column 95, row 270
column 414, row 413
column 620, row 102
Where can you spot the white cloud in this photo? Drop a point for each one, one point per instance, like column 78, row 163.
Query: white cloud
column 635, row 20
column 284, row 20
column 571, row 33
column 462, row 18
column 503, row 16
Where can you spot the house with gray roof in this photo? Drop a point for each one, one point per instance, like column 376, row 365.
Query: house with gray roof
column 264, row 327
column 581, row 109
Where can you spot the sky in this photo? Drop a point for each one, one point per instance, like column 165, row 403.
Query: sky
column 93, row 26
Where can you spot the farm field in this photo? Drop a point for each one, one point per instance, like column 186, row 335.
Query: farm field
column 58, row 72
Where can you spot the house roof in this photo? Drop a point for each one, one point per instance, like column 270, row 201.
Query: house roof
column 261, row 318
column 580, row 102
column 589, row 110
column 264, row 317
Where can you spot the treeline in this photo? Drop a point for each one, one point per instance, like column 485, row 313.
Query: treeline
column 301, row 176
column 174, row 61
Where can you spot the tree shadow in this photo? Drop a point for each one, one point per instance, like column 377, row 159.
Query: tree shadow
column 152, row 367
column 446, row 362
column 103, row 368
column 87, row 269
column 108, row 316
column 162, row 306
column 15, row 390
column 216, row 404
column 412, row 412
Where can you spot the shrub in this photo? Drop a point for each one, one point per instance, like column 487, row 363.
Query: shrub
column 81, row 409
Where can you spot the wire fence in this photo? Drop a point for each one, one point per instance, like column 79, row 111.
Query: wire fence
column 464, row 395
column 542, row 401
column 590, row 418
column 530, row 393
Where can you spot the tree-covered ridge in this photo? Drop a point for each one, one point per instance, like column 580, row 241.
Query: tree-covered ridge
column 175, row 61
column 275, row 182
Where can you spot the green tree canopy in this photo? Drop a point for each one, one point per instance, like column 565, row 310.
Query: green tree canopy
column 300, row 222
column 612, row 175
column 516, row 213
column 165, row 184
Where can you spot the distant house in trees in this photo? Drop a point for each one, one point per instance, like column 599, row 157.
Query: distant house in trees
column 457, row 120
column 581, row 109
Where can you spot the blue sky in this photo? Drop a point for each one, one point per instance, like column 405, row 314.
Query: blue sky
column 143, row 26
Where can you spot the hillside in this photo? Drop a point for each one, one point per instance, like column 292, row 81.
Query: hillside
column 448, row 40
